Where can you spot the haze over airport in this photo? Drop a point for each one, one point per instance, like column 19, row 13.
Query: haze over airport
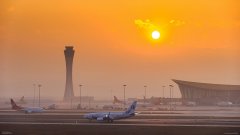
column 113, row 45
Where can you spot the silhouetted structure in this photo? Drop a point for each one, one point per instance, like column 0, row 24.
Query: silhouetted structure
column 69, row 53
column 208, row 94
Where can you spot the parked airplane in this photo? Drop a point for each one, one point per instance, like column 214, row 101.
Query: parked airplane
column 20, row 101
column 26, row 109
column 144, row 105
column 116, row 100
column 111, row 116
column 191, row 103
column 152, row 100
column 224, row 103
column 51, row 107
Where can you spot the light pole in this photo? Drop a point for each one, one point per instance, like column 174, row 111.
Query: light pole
column 89, row 102
column 39, row 86
column 163, row 90
column 80, row 96
column 173, row 94
column 170, row 86
column 163, row 95
column 124, row 87
column 71, row 100
column 228, row 96
column 145, row 94
column 34, row 88
column 111, row 94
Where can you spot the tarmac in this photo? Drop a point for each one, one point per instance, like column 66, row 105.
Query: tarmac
column 69, row 122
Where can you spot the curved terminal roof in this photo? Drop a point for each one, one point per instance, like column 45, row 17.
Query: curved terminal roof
column 208, row 85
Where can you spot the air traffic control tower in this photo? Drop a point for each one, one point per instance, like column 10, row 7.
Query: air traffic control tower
column 69, row 53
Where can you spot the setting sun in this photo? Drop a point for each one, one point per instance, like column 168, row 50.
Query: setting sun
column 155, row 34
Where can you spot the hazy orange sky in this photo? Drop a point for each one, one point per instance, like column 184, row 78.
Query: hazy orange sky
column 200, row 41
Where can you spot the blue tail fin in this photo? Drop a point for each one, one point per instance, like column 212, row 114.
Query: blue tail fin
column 131, row 109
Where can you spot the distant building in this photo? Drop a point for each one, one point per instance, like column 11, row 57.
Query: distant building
column 69, row 53
column 208, row 94
column 83, row 98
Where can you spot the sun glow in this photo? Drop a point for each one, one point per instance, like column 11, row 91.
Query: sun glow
column 155, row 34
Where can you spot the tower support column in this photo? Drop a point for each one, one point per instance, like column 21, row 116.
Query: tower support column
column 69, row 54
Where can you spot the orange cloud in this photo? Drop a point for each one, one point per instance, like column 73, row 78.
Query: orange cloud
column 147, row 25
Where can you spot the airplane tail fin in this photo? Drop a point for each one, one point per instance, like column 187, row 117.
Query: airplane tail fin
column 131, row 109
column 22, row 99
column 116, row 100
column 15, row 106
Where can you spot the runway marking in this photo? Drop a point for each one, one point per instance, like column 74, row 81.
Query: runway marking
column 6, row 133
column 234, row 133
column 116, row 124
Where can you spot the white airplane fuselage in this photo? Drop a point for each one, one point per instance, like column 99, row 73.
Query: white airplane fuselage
column 110, row 116
column 26, row 109
column 32, row 109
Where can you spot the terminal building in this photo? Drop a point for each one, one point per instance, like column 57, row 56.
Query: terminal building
column 208, row 94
